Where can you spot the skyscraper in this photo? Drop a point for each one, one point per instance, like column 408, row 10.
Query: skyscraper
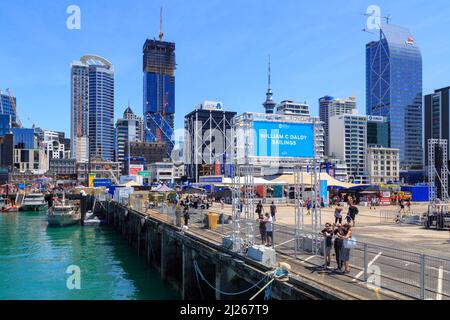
column 269, row 105
column 92, row 111
column 330, row 107
column 6, row 105
column 394, row 90
column 159, row 90
column 128, row 129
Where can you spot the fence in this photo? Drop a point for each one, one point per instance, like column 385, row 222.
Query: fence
column 387, row 217
column 408, row 273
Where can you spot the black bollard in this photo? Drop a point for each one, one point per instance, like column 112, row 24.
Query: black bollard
column 83, row 207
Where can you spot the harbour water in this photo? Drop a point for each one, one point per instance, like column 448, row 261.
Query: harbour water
column 34, row 259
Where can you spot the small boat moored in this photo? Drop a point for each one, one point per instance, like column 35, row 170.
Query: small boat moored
column 62, row 215
column 34, row 202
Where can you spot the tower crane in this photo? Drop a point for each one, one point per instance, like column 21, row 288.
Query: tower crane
column 161, row 33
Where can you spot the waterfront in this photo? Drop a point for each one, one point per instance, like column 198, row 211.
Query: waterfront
column 34, row 259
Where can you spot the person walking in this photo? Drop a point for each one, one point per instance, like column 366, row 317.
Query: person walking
column 373, row 203
column 402, row 206
column 262, row 229
column 353, row 211
column 328, row 233
column 338, row 214
column 269, row 230
column 338, row 243
column 345, row 251
column 308, row 207
column 273, row 211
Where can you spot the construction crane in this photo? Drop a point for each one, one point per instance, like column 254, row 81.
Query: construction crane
column 161, row 33
column 13, row 103
column 163, row 116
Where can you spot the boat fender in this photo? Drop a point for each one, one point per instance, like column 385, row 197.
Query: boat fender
column 125, row 214
column 143, row 221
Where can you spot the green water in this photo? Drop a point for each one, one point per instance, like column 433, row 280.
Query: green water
column 34, row 259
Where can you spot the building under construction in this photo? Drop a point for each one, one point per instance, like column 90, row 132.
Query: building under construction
column 159, row 91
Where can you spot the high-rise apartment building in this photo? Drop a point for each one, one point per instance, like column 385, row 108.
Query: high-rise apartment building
column 394, row 90
column 348, row 142
column 330, row 107
column 92, row 109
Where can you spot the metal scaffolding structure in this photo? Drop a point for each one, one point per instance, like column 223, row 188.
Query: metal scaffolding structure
column 438, row 146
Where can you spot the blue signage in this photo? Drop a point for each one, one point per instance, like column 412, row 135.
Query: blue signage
column 283, row 140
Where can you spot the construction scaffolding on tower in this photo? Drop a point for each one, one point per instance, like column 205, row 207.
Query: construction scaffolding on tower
column 159, row 90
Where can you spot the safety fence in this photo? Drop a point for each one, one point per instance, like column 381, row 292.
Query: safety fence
column 407, row 273
column 396, row 217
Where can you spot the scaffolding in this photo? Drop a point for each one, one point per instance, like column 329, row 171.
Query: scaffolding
column 244, row 163
column 438, row 146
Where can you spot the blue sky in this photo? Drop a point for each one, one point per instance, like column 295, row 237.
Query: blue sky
column 317, row 48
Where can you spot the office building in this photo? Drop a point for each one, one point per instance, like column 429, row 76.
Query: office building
column 289, row 107
column 5, row 124
column 98, row 168
column 145, row 153
column 128, row 129
column 383, row 164
column 8, row 105
column 92, row 109
column 378, row 131
column 159, row 91
column 330, row 107
column 394, row 90
column 63, row 169
column 348, row 142
column 27, row 155
column 208, row 139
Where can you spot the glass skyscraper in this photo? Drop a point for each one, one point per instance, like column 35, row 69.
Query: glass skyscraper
column 92, row 111
column 6, row 106
column 159, row 92
column 394, row 90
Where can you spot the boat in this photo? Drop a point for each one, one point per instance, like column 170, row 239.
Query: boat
column 7, row 206
column 64, row 214
column 34, row 202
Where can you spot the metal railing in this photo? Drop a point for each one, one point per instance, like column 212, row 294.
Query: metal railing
column 395, row 217
column 407, row 273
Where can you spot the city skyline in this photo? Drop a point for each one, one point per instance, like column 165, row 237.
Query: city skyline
column 215, row 62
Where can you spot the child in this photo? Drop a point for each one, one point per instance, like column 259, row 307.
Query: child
column 349, row 218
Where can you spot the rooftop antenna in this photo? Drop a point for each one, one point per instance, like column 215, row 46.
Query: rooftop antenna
column 161, row 33
column 270, row 74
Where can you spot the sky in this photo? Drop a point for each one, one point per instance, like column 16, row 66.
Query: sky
column 317, row 48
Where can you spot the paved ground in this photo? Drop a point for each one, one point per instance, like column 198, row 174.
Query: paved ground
column 373, row 230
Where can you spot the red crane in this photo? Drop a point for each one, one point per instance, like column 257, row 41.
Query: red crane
column 163, row 116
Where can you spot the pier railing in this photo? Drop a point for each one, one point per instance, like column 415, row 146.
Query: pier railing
column 407, row 273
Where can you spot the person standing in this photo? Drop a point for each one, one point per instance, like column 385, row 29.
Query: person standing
column 345, row 252
column 273, row 210
column 262, row 229
column 328, row 233
column 308, row 207
column 269, row 230
column 259, row 208
column 338, row 243
column 338, row 214
column 353, row 212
